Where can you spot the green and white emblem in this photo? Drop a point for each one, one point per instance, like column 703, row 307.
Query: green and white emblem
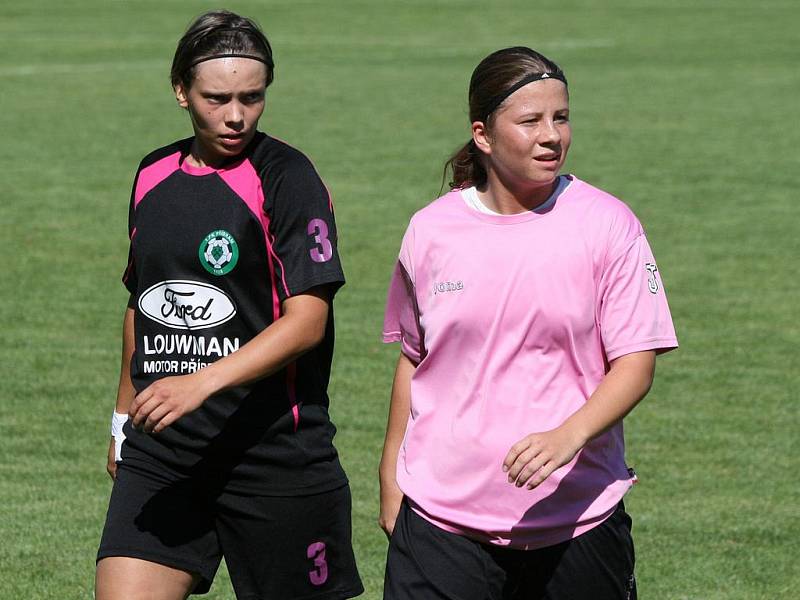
column 218, row 252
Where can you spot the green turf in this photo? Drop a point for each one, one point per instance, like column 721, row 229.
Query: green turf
column 683, row 109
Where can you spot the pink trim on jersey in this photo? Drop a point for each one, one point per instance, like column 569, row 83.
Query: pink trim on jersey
column 246, row 183
column 291, row 384
column 513, row 321
column 280, row 262
column 152, row 175
column 243, row 179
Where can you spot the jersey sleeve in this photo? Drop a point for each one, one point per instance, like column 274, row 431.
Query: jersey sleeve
column 401, row 320
column 634, row 315
column 302, row 229
column 129, row 276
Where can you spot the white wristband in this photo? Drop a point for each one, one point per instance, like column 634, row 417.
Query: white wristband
column 117, row 421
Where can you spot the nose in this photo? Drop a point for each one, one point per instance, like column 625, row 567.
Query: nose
column 550, row 133
column 234, row 117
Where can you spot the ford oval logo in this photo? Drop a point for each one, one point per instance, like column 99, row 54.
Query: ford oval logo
column 186, row 304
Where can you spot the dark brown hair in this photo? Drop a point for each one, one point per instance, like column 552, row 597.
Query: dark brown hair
column 493, row 77
column 219, row 32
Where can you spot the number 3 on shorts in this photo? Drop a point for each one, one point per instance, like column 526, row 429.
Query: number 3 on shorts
column 319, row 229
column 320, row 573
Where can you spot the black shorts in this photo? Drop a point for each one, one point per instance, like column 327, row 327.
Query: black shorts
column 427, row 562
column 275, row 547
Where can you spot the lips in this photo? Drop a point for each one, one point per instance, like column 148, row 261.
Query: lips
column 547, row 157
column 232, row 139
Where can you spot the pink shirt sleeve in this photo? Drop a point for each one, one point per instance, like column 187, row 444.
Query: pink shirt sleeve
column 634, row 315
column 401, row 320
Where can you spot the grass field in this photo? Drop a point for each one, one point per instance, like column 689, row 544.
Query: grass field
column 682, row 109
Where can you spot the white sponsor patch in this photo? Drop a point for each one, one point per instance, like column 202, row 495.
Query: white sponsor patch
column 186, row 304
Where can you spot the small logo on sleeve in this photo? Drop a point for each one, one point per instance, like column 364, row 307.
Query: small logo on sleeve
column 652, row 282
column 218, row 252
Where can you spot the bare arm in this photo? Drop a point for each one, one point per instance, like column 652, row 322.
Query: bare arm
column 399, row 409
column 125, row 389
column 298, row 330
column 536, row 456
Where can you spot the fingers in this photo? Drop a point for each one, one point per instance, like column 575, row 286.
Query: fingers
column 524, row 457
column 167, row 420
column 541, row 474
column 135, row 411
column 529, row 462
column 150, row 407
column 387, row 524
column 155, row 417
column 111, row 463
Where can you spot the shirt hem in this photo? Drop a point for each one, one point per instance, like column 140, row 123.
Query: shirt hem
column 561, row 534
column 333, row 279
column 660, row 345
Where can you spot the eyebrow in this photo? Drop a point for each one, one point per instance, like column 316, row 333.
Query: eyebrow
column 539, row 113
column 257, row 90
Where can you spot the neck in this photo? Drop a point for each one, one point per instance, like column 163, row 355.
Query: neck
column 198, row 157
column 509, row 199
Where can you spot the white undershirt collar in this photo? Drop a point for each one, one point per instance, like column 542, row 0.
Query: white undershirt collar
column 471, row 199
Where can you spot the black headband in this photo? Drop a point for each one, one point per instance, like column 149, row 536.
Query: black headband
column 498, row 100
column 266, row 61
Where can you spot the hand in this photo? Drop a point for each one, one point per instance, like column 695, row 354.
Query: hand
column 111, row 465
column 534, row 458
column 391, row 499
column 162, row 403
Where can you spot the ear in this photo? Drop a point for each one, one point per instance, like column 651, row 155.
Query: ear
column 480, row 135
column 182, row 96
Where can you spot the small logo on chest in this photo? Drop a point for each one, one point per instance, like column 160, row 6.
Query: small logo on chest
column 218, row 252
column 443, row 287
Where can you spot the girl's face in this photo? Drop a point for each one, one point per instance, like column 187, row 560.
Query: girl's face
column 225, row 101
column 529, row 138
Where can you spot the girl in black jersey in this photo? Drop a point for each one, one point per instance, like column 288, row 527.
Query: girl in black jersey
column 222, row 444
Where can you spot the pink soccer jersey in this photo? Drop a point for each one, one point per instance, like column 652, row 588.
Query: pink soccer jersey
column 513, row 321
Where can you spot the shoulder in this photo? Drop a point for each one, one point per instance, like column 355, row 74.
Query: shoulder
column 426, row 225
column 441, row 209
column 601, row 211
column 275, row 157
column 175, row 148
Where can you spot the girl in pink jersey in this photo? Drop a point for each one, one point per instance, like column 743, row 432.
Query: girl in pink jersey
column 530, row 310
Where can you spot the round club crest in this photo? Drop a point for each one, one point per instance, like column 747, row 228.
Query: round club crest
column 218, row 252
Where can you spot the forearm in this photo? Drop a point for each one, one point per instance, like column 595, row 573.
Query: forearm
column 399, row 409
column 626, row 383
column 125, row 389
column 533, row 458
column 301, row 328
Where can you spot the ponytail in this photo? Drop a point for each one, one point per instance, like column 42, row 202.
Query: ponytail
column 466, row 166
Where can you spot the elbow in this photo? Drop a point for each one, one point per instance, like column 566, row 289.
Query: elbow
column 313, row 336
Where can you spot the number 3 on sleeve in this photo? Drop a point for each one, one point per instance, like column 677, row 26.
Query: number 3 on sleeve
column 319, row 229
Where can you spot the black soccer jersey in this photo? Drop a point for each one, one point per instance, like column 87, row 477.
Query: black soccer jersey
column 213, row 253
